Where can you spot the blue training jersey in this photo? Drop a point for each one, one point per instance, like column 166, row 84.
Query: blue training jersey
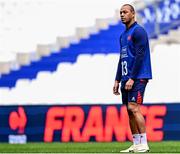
column 134, row 61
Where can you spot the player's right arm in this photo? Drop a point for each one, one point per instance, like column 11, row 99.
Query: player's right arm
column 117, row 79
column 118, row 74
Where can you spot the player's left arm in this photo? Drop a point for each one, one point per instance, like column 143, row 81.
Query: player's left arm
column 140, row 41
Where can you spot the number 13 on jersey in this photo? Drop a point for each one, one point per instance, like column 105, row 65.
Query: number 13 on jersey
column 124, row 68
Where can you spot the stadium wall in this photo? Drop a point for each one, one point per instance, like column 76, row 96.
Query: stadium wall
column 83, row 123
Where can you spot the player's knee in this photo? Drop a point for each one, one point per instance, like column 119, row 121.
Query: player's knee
column 132, row 109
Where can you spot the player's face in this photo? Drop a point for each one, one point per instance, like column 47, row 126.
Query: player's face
column 126, row 14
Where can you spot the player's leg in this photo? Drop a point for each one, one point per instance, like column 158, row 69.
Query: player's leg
column 132, row 123
column 124, row 94
column 135, row 98
column 137, row 122
column 141, row 145
column 134, row 129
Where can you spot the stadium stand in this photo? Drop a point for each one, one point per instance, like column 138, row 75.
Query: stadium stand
column 78, row 60
column 40, row 27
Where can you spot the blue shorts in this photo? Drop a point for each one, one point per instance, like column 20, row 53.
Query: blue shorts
column 136, row 94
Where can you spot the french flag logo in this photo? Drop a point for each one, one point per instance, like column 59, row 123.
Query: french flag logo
column 129, row 37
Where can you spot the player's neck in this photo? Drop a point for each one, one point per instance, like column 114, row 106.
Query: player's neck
column 128, row 25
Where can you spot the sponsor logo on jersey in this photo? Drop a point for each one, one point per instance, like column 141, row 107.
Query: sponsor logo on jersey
column 124, row 52
column 133, row 99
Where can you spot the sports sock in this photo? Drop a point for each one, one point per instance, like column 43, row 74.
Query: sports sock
column 143, row 138
column 136, row 139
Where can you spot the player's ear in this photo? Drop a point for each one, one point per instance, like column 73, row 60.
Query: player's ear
column 133, row 14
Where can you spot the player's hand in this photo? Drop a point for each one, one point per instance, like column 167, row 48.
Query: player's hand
column 116, row 88
column 129, row 84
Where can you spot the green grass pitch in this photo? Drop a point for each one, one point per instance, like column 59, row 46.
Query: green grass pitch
column 90, row 147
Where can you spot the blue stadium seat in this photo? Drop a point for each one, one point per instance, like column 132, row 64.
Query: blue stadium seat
column 105, row 41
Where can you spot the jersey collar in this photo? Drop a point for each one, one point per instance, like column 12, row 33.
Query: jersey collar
column 132, row 25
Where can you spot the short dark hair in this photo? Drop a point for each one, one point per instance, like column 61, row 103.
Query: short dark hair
column 131, row 7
